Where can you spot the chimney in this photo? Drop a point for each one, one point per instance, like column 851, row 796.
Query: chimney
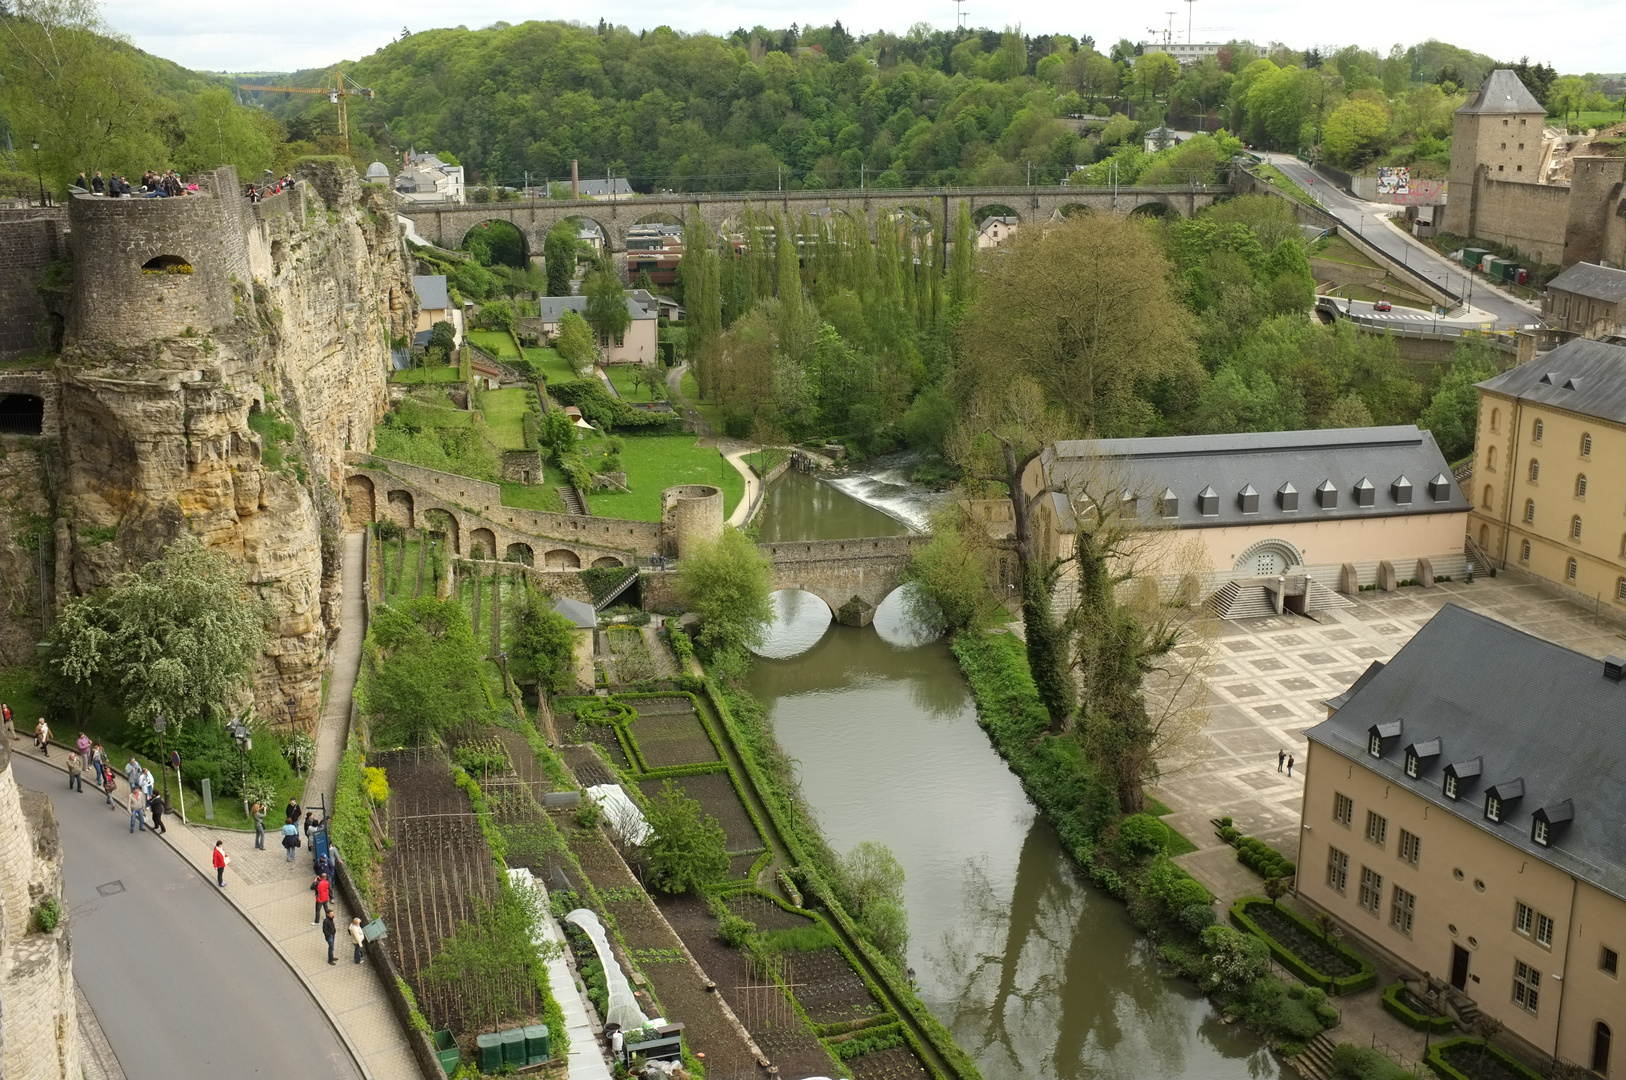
column 1614, row 668
column 575, row 181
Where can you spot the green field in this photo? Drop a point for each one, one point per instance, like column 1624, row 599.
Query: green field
column 495, row 342
column 441, row 373
column 654, row 462
column 1281, row 182
column 710, row 412
column 505, row 411
column 1599, row 120
column 543, row 497
column 1337, row 249
column 553, row 366
column 621, row 377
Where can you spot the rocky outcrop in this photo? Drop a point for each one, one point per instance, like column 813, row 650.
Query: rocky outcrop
column 227, row 412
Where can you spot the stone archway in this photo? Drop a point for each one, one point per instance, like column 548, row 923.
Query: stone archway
column 358, row 491
column 521, row 553
column 438, row 520
column 482, row 544
column 1268, row 558
column 562, row 559
column 604, row 561
column 399, row 503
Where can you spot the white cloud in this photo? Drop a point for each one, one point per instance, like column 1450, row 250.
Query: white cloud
column 1573, row 35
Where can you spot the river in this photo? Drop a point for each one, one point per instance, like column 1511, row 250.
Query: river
column 1036, row 973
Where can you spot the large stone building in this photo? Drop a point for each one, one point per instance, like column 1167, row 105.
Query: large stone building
column 1464, row 815
column 1550, row 469
column 1587, row 299
column 1284, row 518
column 1516, row 184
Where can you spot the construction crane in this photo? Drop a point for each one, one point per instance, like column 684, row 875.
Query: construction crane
column 340, row 89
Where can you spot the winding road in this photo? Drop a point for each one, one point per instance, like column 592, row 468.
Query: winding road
column 1370, row 221
column 183, row 986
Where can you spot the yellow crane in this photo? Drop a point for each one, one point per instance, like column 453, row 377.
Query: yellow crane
column 340, row 89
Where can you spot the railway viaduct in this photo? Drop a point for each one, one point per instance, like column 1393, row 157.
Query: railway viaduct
column 476, row 525
column 446, row 226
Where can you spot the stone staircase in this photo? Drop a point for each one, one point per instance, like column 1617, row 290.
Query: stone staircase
column 573, row 501
column 1321, row 597
column 1315, row 1063
column 1237, row 601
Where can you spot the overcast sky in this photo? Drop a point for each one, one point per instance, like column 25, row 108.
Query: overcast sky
column 1574, row 35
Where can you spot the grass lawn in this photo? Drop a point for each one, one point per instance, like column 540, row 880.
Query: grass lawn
column 504, row 412
column 1337, row 249
column 441, row 373
column 1178, row 844
column 621, row 377
column 711, row 413
column 1282, row 183
column 655, row 462
column 552, row 364
column 495, row 342
column 1599, row 120
column 543, row 497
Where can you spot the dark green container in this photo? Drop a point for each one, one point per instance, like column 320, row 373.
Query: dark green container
column 446, row 1050
column 536, row 1044
column 488, row 1048
column 513, row 1047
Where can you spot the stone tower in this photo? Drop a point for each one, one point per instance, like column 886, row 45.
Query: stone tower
column 1496, row 134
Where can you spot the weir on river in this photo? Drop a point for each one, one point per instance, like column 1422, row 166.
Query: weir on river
column 1035, row 972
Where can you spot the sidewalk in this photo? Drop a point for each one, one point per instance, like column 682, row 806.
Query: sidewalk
column 753, row 485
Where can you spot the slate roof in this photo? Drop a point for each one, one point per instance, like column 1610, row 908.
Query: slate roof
column 1189, row 465
column 1531, row 711
column 1501, row 92
column 581, row 615
column 551, row 307
column 598, row 189
column 1580, row 376
column 431, row 290
column 1591, row 280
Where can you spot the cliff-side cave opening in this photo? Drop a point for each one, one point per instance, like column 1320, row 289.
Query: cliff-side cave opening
column 22, row 414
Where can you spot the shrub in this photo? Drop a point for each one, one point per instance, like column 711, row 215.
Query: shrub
column 1284, row 1013
column 1172, row 887
column 1398, row 1003
column 1234, row 960
column 686, row 847
column 376, row 784
column 1195, row 918
column 47, row 915
column 1263, row 859
column 1351, row 1062
column 733, row 931
column 1228, row 834
column 1140, row 835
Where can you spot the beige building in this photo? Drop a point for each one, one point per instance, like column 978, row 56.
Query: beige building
column 635, row 345
column 995, row 231
column 1465, row 816
column 1587, row 299
column 1550, row 469
column 1283, row 519
column 435, row 304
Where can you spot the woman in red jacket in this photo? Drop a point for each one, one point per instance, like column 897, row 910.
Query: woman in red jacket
column 221, row 859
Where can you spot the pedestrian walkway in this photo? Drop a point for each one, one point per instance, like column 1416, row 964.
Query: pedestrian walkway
column 586, row 1059
column 753, row 488
column 334, row 728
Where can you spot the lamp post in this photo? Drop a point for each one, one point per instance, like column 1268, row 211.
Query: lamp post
column 245, row 742
column 38, row 172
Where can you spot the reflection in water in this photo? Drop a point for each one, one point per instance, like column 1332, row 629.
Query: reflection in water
column 799, row 621
column 801, row 507
column 1036, row 974
column 898, row 619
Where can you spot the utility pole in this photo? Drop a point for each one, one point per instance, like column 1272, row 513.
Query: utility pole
column 959, row 14
column 861, row 168
column 1190, row 7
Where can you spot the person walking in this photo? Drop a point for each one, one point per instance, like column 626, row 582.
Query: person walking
column 291, row 816
column 222, row 860
column 310, row 824
column 257, row 812
column 324, row 893
column 82, row 744
column 330, row 932
column 76, row 772
column 5, row 716
column 358, row 937
column 156, row 804
column 132, row 772
column 1289, row 765
column 138, row 808
column 290, row 839
column 42, row 737
column 109, row 783
column 1281, row 756
column 146, row 782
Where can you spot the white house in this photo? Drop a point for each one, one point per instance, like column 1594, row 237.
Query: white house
column 427, row 179
column 996, row 230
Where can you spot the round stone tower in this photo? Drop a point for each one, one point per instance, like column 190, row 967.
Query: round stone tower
column 690, row 514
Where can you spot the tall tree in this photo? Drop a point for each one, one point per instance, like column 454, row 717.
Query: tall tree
column 221, row 132
column 559, row 253
column 607, row 311
column 725, row 582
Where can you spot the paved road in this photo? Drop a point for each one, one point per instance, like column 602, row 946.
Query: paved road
column 183, row 986
column 1369, row 220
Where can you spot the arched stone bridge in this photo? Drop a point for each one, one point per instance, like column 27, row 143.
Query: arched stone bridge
column 448, row 225
column 840, row 571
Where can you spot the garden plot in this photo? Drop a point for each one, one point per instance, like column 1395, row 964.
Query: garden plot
column 898, row 1063
column 669, row 732
column 829, row 989
column 437, row 874
column 589, row 768
column 716, row 795
column 633, row 661
column 766, row 914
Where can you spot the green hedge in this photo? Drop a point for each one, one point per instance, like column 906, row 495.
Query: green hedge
column 1411, row 1017
column 1337, row 985
column 348, row 825
column 1437, row 1059
column 1263, row 859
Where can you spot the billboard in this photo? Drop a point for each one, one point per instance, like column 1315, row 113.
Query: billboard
column 1394, row 181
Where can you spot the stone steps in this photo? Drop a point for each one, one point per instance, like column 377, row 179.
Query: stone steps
column 1236, row 601
column 1316, row 1060
column 573, row 501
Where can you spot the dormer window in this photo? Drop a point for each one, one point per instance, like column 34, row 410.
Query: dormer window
column 1374, row 745
column 1326, row 496
column 1411, row 765
column 1497, row 796
column 1419, row 756
column 1549, row 821
column 1365, row 493
column 1287, row 497
column 1208, row 502
column 1541, row 832
column 1169, row 503
column 1451, row 785
column 1439, row 488
column 1460, row 775
column 1248, row 499
column 1401, row 491
column 1493, row 808
column 1377, row 733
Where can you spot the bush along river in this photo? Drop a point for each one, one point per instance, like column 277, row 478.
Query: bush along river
column 1034, row 971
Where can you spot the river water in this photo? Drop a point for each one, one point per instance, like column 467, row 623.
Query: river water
column 1036, row 973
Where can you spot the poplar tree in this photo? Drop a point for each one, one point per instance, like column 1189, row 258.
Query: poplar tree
column 965, row 249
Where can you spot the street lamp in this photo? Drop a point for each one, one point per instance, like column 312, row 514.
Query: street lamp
column 245, row 741
column 38, row 172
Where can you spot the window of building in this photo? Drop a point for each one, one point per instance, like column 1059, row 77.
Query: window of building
column 1411, row 759
column 1524, row 551
column 1374, row 745
column 1401, row 909
column 1490, row 458
column 1501, row 168
column 1580, row 486
column 1496, row 421
column 1521, row 121
column 1377, row 828
column 1586, row 444
column 1535, row 470
column 1569, row 570
column 1529, row 511
column 1609, row 962
column 1526, row 986
column 1600, row 1048
column 1371, row 889
column 1518, row 168
column 1485, row 499
column 1343, row 809
column 1337, row 870
column 1411, row 847
column 1504, row 122
column 1493, row 808
column 1504, row 146
column 1450, row 786
column 1521, row 146
column 1541, row 832
column 1575, row 527
column 1544, row 930
column 1536, row 430
column 1524, row 917
column 1620, row 588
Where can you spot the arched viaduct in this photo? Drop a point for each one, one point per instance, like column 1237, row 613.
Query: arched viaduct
column 839, row 571
column 446, row 226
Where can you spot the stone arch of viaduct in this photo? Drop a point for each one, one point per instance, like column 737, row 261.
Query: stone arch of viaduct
column 836, row 571
column 446, row 226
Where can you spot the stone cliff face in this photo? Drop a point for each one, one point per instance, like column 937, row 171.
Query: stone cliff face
column 219, row 399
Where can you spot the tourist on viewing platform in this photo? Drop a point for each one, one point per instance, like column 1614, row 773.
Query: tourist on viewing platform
column 82, row 184
column 324, row 893
column 82, row 744
column 257, row 812
column 290, row 839
column 329, row 931
column 98, row 186
column 358, row 936
column 221, row 861
column 291, row 816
